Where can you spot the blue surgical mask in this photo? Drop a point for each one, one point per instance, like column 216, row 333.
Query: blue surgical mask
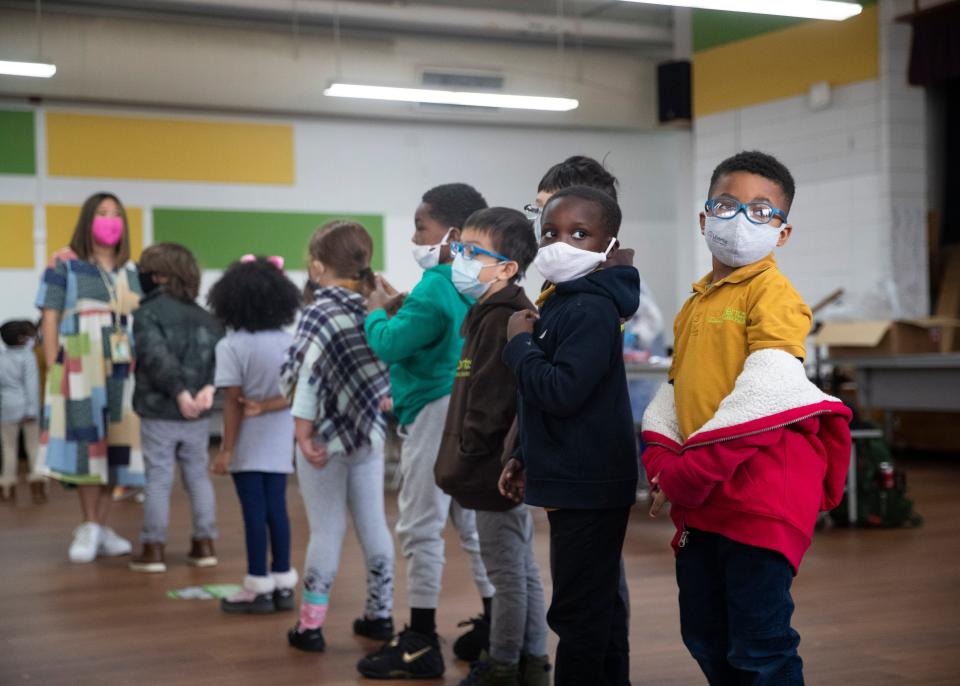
column 466, row 277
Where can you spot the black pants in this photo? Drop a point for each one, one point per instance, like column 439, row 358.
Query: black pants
column 587, row 611
column 735, row 610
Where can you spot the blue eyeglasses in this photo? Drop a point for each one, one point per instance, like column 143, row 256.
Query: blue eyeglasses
column 470, row 251
column 756, row 212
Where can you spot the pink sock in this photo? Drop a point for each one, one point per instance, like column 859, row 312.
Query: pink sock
column 312, row 616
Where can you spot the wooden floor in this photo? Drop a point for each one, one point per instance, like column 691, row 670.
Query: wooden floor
column 874, row 607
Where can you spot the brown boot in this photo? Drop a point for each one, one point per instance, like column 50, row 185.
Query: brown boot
column 38, row 490
column 202, row 553
column 9, row 493
column 150, row 559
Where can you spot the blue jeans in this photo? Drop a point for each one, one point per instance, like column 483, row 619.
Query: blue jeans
column 735, row 610
column 263, row 499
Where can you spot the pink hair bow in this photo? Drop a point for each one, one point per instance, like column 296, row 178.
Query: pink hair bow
column 275, row 260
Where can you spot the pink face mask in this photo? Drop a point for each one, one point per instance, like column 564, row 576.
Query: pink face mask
column 107, row 230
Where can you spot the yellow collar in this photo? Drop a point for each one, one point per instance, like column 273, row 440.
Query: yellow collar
column 740, row 275
column 545, row 295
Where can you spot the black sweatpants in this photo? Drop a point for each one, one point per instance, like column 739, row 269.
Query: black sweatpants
column 587, row 611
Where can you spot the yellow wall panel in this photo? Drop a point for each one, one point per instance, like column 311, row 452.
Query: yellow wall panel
column 62, row 219
column 16, row 236
column 111, row 147
column 785, row 63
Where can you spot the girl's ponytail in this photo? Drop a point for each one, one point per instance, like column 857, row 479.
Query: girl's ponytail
column 346, row 249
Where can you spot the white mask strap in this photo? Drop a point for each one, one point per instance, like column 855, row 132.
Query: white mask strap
column 613, row 241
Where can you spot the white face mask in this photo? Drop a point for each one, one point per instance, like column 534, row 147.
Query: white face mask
column 560, row 262
column 737, row 242
column 428, row 256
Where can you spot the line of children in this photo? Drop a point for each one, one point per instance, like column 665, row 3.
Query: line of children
column 496, row 246
column 419, row 337
column 19, row 408
column 255, row 300
column 577, row 452
column 337, row 387
column 742, row 444
column 745, row 448
column 173, row 396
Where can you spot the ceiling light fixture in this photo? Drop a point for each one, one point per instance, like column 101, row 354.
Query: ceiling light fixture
column 807, row 9
column 40, row 70
column 443, row 97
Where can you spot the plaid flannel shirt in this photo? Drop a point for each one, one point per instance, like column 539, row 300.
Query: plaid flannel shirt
column 331, row 371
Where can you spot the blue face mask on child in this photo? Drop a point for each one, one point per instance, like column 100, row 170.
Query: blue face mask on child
column 466, row 277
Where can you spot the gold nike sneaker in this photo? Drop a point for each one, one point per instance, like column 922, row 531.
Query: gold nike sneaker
column 410, row 655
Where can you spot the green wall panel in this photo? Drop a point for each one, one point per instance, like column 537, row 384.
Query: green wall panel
column 17, row 154
column 712, row 28
column 219, row 237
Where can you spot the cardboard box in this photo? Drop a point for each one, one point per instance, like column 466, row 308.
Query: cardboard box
column 880, row 338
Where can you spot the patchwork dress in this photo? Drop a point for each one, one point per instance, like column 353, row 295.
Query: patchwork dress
column 89, row 432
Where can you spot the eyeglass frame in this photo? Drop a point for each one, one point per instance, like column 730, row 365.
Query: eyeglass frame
column 743, row 207
column 458, row 248
column 532, row 210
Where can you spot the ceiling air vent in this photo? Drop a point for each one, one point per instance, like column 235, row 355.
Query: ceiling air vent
column 460, row 80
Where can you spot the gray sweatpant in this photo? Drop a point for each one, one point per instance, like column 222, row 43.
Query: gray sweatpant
column 518, row 622
column 165, row 443
column 353, row 483
column 424, row 510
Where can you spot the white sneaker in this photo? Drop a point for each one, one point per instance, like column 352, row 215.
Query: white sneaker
column 86, row 539
column 111, row 544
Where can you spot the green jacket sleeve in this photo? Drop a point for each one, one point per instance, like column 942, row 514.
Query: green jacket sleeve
column 416, row 325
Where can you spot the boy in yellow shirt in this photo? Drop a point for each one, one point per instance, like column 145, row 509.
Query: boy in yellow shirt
column 744, row 447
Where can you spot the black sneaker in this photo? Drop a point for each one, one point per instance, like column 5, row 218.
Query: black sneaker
column 284, row 599
column 410, row 655
column 248, row 603
column 469, row 646
column 377, row 629
column 309, row 640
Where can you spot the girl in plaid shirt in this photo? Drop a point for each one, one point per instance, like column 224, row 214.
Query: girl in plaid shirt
column 336, row 386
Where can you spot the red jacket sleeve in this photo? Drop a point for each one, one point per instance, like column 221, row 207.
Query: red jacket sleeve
column 658, row 452
column 836, row 440
column 688, row 480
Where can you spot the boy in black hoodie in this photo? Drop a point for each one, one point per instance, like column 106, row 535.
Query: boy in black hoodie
column 497, row 246
column 577, row 454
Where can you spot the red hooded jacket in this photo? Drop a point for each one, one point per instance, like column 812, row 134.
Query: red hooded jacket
column 774, row 455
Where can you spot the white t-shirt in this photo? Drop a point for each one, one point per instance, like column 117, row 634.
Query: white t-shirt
column 252, row 362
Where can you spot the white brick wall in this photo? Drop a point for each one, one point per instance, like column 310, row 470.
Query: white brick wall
column 860, row 168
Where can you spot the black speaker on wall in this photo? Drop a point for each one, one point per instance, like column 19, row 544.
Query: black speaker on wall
column 674, row 92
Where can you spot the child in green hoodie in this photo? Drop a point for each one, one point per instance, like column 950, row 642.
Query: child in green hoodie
column 418, row 336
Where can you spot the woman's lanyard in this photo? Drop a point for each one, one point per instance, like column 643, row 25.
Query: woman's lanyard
column 119, row 341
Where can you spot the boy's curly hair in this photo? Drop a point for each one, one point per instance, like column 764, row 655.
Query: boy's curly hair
column 452, row 203
column 254, row 296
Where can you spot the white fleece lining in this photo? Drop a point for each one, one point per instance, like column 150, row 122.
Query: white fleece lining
column 661, row 414
column 259, row 584
column 772, row 381
column 285, row 580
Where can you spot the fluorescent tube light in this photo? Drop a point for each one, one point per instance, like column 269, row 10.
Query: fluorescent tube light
column 37, row 69
column 441, row 97
column 807, row 9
